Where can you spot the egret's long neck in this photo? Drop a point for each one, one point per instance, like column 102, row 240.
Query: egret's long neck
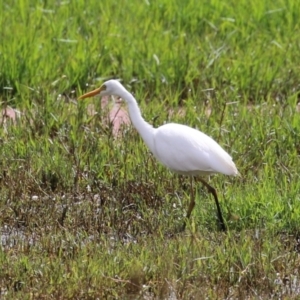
column 145, row 129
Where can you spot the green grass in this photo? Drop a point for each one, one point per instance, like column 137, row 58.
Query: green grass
column 84, row 215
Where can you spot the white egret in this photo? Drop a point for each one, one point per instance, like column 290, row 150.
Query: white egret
column 180, row 148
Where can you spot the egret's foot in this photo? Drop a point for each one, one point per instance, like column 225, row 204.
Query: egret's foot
column 180, row 229
column 222, row 227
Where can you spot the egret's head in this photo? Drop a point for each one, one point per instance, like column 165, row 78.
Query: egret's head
column 110, row 87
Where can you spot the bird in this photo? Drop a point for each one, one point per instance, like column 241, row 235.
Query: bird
column 180, row 148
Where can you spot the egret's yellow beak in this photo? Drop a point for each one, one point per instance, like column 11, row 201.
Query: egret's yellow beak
column 93, row 93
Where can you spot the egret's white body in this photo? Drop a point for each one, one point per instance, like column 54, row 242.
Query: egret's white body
column 180, row 148
column 188, row 151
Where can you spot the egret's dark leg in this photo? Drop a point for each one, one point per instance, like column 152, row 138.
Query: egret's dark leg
column 192, row 201
column 191, row 205
column 214, row 192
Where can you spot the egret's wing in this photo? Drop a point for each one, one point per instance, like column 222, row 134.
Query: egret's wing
column 187, row 150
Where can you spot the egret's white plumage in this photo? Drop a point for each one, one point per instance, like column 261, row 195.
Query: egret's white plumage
column 188, row 151
column 180, row 148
